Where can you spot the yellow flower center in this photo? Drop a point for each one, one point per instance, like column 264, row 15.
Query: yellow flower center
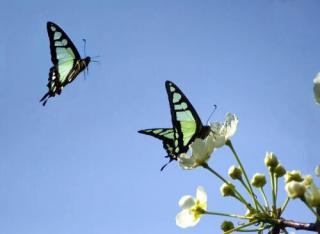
column 198, row 209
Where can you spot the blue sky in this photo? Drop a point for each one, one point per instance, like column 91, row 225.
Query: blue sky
column 78, row 166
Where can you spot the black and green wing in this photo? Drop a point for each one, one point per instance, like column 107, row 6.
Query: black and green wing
column 67, row 63
column 166, row 135
column 185, row 120
column 163, row 134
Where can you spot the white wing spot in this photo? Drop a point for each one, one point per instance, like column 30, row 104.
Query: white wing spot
column 53, row 28
column 64, row 42
column 184, row 105
column 57, row 35
column 58, row 43
column 176, row 97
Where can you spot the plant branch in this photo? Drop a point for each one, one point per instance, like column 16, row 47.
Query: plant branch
column 315, row 227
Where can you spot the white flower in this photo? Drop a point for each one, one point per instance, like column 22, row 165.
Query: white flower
column 192, row 209
column 224, row 131
column 316, row 88
column 317, row 170
column 312, row 195
column 201, row 151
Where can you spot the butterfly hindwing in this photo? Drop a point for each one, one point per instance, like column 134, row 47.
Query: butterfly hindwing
column 163, row 134
column 185, row 120
column 160, row 133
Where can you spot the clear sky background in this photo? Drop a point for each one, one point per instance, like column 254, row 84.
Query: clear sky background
column 78, row 165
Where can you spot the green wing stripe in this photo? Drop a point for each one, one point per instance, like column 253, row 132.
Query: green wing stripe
column 160, row 133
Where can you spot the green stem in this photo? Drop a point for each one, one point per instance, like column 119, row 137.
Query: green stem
column 283, row 207
column 244, row 185
column 258, row 230
column 238, row 195
column 226, row 215
column 266, row 202
column 241, row 226
column 206, row 166
column 273, row 189
column 276, row 187
column 311, row 209
column 228, row 143
column 248, row 190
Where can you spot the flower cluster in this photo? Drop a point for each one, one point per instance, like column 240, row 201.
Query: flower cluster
column 203, row 148
column 303, row 187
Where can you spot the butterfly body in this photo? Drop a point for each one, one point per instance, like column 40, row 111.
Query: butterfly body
column 67, row 63
column 187, row 125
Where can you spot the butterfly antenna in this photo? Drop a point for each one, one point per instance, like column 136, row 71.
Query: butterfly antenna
column 85, row 55
column 95, row 61
column 214, row 109
column 84, row 47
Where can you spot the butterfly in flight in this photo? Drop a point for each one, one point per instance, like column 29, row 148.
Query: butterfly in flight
column 186, row 122
column 67, row 63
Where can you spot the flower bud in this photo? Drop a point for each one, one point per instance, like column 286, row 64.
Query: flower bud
column 295, row 189
column 226, row 226
column 307, row 180
column 258, row 180
column 227, row 190
column 235, row 173
column 293, row 176
column 271, row 160
column 312, row 195
column 279, row 170
column 317, row 170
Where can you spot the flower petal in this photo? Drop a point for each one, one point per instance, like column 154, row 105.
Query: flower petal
column 201, row 195
column 316, row 88
column 223, row 131
column 317, row 170
column 210, row 144
column 186, row 162
column 186, row 219
column 312, row 195
column 186, row 202
column 231, row 124
column 198, row 148
column 218, row 139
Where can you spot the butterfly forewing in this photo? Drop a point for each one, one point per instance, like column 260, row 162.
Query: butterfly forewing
column 185, row 120
column 63, row 52
column 61, row 46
